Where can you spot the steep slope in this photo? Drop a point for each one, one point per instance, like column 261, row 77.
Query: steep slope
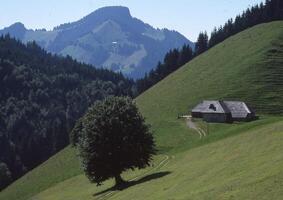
column 246, row 67
column 109, row 37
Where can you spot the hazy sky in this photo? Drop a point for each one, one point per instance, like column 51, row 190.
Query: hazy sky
column 189, row 17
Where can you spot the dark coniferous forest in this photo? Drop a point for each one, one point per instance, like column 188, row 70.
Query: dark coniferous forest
column 41, row 97
column 271, row 10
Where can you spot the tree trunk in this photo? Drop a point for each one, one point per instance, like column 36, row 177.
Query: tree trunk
column 119, row 181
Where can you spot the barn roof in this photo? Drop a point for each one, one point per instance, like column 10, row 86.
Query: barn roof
column 238, row 109
column 211, row 107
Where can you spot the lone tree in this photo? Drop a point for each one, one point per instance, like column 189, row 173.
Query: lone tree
column 113, row 138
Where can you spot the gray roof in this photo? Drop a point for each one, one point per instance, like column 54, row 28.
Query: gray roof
column 238, row 109
column 211, row 107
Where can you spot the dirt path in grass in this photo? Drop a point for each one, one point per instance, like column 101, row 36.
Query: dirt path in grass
column 192, row 125
column 162, row 163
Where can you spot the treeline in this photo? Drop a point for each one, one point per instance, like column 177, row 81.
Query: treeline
column 173, row 60
column 271, row 10
column 41, row 97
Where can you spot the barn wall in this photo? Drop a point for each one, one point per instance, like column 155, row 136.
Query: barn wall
column 215, row 117
column 196, row 114
column 248, row 118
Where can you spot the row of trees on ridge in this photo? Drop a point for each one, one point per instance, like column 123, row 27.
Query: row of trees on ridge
column 271, row 10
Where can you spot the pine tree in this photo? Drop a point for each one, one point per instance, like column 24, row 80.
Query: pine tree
column 201, row 44
column 185, row 55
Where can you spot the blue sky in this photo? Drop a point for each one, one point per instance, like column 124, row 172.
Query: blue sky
column 189, row 17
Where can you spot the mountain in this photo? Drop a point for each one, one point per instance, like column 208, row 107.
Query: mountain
column 234, row 161
column 109, row 37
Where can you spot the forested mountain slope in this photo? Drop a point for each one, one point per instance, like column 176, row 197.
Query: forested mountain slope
column 41, row 97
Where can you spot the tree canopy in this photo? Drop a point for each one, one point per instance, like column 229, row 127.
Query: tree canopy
column 114, row 138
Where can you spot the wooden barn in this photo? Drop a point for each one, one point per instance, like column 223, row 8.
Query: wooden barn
column 223, row 111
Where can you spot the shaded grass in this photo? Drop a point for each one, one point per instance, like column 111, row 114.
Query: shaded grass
column 128, row 184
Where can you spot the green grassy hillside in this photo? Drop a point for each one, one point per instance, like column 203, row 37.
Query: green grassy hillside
column 247, row 66
column 60, row 167
column 246, row 166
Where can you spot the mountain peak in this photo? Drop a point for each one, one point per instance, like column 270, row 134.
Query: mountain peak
column 16, row 30
column 111, row 12
column 18, row 26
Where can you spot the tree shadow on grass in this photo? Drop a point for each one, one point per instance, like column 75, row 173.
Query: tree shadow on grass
column 133, row 183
